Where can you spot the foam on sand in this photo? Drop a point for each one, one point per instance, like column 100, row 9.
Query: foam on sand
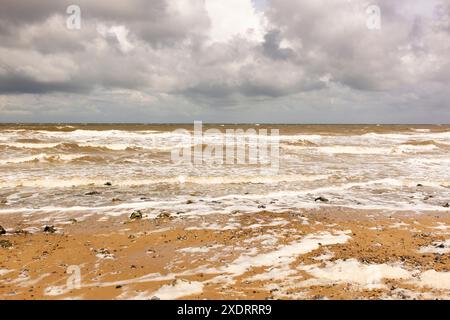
column 204, row 249
column 280, row 258
column 278, row 273
column 354, row 272
column 434, row 279
column 5, row 271
column 177, row 289
column 285, row 254
column 437, row 247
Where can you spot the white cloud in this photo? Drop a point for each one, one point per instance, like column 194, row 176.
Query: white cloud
column 313, row 59
column 233, row 18
column 120, row 33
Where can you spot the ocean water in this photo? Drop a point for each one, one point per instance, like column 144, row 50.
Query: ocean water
column 55, row 169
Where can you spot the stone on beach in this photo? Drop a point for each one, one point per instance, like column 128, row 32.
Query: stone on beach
column 92, row 193
column 136, row 215
column 49, row 229
column 5, row 244
column 21, row 231
column 2, row 230
column 163, row 215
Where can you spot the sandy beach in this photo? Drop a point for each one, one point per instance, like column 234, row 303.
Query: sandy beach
column 224, row 150
column 307, row 254
column 101, row 212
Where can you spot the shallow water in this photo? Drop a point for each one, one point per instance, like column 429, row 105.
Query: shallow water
column 50, row 168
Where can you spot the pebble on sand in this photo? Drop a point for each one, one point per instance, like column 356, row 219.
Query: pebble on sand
column 49, row 229
column 163, row 215
column 21, row 231
column 136, row 215
column 92, row 193
column 5, row 244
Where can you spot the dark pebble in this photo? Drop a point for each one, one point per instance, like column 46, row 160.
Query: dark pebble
column 49, row 229
column 92, row 193
column 322, row 199
column 136, row 215
column 5, row 244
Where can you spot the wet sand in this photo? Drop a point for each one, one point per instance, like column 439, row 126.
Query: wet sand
column 350, row 212
column 327, row 253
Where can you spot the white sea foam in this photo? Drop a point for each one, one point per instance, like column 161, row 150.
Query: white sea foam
column 42, row 157
column 368, row 276
column 375, row 171
column 203, row 249
column 284, row 254
column 277, row 201
column 351, row 150
column 365, row 150
column 274, row 274
column 440, row 247
column 5, row 271
column 178, row 289
column 30, row 145
column 420, row 130
column 433, row 279
column 62, row 182
column 281, row 257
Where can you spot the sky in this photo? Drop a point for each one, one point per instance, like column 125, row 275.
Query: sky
column 234, row 61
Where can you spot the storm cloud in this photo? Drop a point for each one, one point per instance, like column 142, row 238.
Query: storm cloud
column 225, row 61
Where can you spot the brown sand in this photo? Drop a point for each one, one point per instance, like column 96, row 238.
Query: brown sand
column 120, row 258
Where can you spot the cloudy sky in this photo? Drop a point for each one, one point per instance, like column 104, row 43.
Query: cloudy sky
column 285, row 61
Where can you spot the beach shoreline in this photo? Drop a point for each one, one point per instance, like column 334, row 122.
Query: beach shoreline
column 327, row 253
column 350, row 212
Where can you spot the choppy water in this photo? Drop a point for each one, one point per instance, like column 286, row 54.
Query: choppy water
column 51, row 168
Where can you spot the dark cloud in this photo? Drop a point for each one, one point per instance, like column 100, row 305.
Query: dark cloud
column 175, row 56
column 271, row 46
column 17, row 84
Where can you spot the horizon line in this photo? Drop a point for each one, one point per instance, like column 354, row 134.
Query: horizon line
column 221, row 123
